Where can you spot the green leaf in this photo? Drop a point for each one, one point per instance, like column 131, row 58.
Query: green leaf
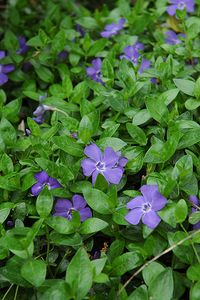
column 157, row 109
column 45, row 74
column 98, row 201
column 60, row 224
column 126, row 262
column 115, row 143
column 140, row 293
column 44, row 203
column 197, row 88
column 68, row 145
column 181, row 211
column 162, row 285
column 137, row 134
column 92, row 225
column 7, row 133
column 85, row 130
column 88, row 23
column 195, row 291
column 151, row 272
column 185, row 86
column 194, row 217
column 97, row 47
column 79, row 274
column 34, row 271
column 98, row 265
column 60, row 290
column 5, row 210
column 193, row 272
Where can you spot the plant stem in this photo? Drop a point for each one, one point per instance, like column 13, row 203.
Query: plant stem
column 4, row 297
column 156, row 257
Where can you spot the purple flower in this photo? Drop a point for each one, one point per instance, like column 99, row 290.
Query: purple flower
column 145, row 207
column 131, row 53
column 23, row 48
column 94, row 72
column 40, row 110
column 172, row 38
column 64, row 208
column 43, row 179
column 112, row 29
column 109, row 164
column 180, row 5
column 80, row 30
column 62, row 55
column 4, row 69
column 195, row 200
column 145, row 64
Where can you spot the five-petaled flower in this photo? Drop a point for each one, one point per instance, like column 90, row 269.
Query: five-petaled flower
column 180, row 5
column 64, row 208
column 172, row 38
column 195, row 201
column 94, row 72
column 132, row 54
column 4, row 69
column 145, row 207
column 113, row 28
column 110, row 164
column 43, row 179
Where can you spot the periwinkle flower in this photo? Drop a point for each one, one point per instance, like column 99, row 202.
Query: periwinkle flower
column 43, row 179
column 145, row 64
column 110, row 164
column 94, row 72
column 65, row 207
column 113, row 28
column 195, row 201
column 80, row 30
column 62, row 55
column 23, row 47
column 172, row 38
column 145, row 207
column 131, row 53
column 40, row 110
column 180, row 5
column 4, row 69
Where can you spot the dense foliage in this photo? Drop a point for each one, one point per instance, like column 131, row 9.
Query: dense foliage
column 99, row 150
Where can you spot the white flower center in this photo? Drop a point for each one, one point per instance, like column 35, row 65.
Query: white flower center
column 181, row 5
column 146, row 207
column 100, row 166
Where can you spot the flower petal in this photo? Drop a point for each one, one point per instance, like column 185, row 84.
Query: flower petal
column 85, row 213
column 136, row 202
column 159, row 201
column 106, row 34
column 113, row 175
column 62, row 205
column 53, row 183
column 94, row 176
column 134, row 216
column 36, row 188
column 88, row 165
column 171, row 9
column 78, row 202
column 151, row 219
column 42, row 177
column 3, row 78
column 93, row 152
column 110, row 157
column 2, row 54
column 7, row 68
column 148, row 192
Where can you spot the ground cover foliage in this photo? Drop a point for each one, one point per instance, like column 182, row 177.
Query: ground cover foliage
column 99, row 150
